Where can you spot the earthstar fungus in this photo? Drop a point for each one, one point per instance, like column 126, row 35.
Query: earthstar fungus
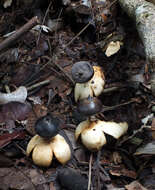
column 92, row 133
column 93, row 87
column 43, row 147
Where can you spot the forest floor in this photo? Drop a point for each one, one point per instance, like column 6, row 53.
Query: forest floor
column 41, row 60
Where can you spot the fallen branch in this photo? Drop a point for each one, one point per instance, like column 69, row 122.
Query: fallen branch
column 28, row 26
column 143, row 13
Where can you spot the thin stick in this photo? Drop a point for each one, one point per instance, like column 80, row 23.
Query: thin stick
column 38, row 84
column 23, row 151
column 111, row 4
column 134, row 133
column 90, row 167
column 19, row 33
column 78, row 34
column 109, row 108
column 44, row 21
column 98, row 170
column 111, row 89
column 60, row 68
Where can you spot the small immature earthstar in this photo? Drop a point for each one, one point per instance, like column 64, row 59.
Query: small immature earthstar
column 89, row 106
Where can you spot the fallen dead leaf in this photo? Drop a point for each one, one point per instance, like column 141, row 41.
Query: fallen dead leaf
column 148, row 148
column 52, row 186
column 21, row 178
column 11, row 178
column 112, row 48
column 7, row 3
column 5, row 161
column 14, row 111
column 37, row 112
column 6, row 138
column 123, row 172
column 36, row 178
column 135, row 185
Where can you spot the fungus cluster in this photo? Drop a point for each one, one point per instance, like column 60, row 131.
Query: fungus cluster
column 47, row 142
column 89, row 84
column 92, row 132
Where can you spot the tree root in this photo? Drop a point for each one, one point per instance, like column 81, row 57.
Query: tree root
column 143, row 13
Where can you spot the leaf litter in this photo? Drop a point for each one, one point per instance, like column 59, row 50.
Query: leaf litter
column 41, row 61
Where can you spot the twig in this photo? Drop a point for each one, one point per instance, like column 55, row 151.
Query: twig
column 109, row 108
column 28, row 26
column 111, row 89
column 98, row 170
column 60, row 68
column 44, row 21
column 38, row 84
column 57, row 22
column 130, row 137
column 23, row 151
column 111, row 4
column 90, row 167
column 77, row 35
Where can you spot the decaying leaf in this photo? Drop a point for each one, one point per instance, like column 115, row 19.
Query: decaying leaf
column 121, row 171
column 5, row 161
column 6, row 138
column 21, row 178
column 37, row 112
column 14, row 111
column 148, row 148
column 112, row 48
column 19, row 95
column 135, row 185
column 7, row 3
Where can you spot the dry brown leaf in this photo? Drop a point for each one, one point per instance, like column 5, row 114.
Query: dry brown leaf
column 112, row 48
column 14, row 111
column 37, row 112
column 135, row 185
column 120, row 171
column 148, row 148
column 7, row 3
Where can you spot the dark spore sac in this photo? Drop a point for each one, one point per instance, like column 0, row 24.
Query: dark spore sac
column 82, row 71
column 71, row 179
column 47, row 126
